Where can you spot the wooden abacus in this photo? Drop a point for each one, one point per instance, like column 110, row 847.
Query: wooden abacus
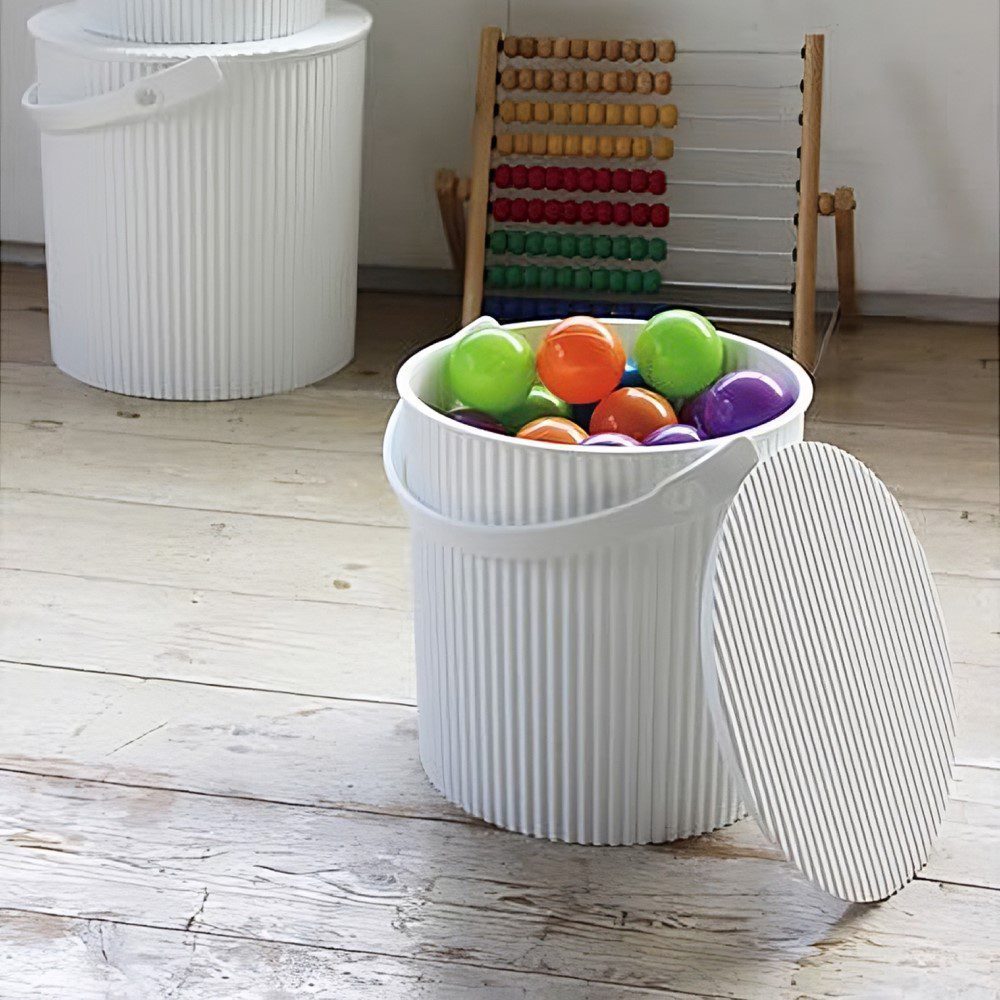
column 527, row 109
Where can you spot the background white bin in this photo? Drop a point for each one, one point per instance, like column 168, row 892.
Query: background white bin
column 557, row 612
column 201, row 206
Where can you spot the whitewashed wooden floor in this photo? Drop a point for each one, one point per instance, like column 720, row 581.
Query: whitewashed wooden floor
column 208, row 773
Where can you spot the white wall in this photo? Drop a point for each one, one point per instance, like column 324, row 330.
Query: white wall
column 910, row 117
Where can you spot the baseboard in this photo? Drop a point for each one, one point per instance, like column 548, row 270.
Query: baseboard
column 943, row 308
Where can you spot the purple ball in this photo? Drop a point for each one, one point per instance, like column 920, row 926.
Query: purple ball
column 673, row 434
column 693, row 413
column 741, row 400
column 610, row 440
column 478, row 419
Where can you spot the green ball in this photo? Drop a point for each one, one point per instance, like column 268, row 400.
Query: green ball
column 651, row 282
column 567, row 245
column 491, row 369
column 495, row 277
column 533, row 243
column 633, row 281
column 532, row 276
column 585, row 246
column 600, row 279
column 541, row 402
column 514, row 276
column 617, row 281
column 637, row 248
column 547, row 279
column 679, row 353
column 602, row 246
column 551, row 244
column 619, row 247
column 498, row 241
column 564, row 277
column 657, row 249
column 515, row 241
column 581, row 279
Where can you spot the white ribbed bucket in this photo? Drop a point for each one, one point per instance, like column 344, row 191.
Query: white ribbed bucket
column 557, row 601
column 201, row 206
column 178, row 21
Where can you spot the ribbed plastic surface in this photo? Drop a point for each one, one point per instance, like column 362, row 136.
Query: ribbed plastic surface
column 830, row 672
column 174, row 21
column 210, row 252
column 562, row 697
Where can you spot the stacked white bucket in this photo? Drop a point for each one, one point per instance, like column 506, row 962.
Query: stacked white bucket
column 201, row 173
column 558, row 595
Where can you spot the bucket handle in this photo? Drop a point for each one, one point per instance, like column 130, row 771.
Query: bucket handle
column 714, row 480
column 142, row 98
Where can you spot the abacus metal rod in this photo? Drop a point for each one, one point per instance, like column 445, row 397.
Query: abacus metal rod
column 732, row 218
column 731, row 253
column 787, row 185
column 737, row 52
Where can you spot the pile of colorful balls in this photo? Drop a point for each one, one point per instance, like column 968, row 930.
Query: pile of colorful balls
column 580, row 388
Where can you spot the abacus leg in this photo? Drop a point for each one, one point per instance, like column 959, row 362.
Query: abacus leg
column 843, row 220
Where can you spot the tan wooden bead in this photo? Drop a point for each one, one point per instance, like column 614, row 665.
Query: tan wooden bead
column 647, row 50
column 560, row 48
column 572, row 144
column 644, row 82
column 526, row 47
column 560, row 113
column 578, row 114
column 613, row 49
column 613, row 114
column 595, row 50
column 538, row 143
column 668, row 115
column 523, row 112
column 593, row 80
column 826, row 203
column 560, row 80
column 606, row 146
column 543, row 79
column 510, row 46
column 588, row 145
column 609, row 83
column 630, row 50
column 666, row 50
column 554, row 144
column 544, row 48
column 505, row 144
column 623, row 146
column 578, row 48
column 521, row 142
column 626, row 81
column 595, row 113
column 507, row 111
column 640, row 147
column 648, row 115
column 630, row 114
column 661, row 83
column 542, row 111
column 576, row 81
column 508, row 78
column 663, row 148
column 525, row 79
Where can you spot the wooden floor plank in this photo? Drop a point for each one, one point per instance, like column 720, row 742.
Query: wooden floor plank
column 475, row 896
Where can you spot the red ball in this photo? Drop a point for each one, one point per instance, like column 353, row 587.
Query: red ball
column 659, row 215
column 570, row 178
column 619, row 180
column 519, row 209
column 536, row 178
column 602, row 179
column 640, row 214
column 638, row 181
column 553, row 178
column 605, row 213
column 588, row 211
column 501, row 209
column 519, row 176
column 587, row 178
column 570, row 211
column 501, row 176
column 536, row 210
column 622, row 214
column 657, row 182
column 553, row 212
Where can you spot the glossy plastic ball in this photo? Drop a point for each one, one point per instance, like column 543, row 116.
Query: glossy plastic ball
column 581, row 360
column 741, row 400
column 612, row 440
column 679, row 353
column 492, row 370
column 541, row 402
column 554, row 430
column 632, row 411
column 478, row 419
column 673, row 434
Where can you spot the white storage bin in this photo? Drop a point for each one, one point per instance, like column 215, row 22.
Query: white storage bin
column 201, row 206
column 557, row 599
column 178, row 21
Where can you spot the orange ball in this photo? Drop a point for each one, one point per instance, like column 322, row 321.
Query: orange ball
column 580, row 360
column 633, row 411
column 555, row 430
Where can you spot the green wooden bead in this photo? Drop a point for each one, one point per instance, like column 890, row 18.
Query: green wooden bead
column 498, row 241
column 585, row 246
column 515, row 241
column 633, row 281
column 567, row 245
column 495, row 277
column 551, row 244
column 650, row 282
column 600, row 279
column 637, row 248
column 619, row 247
column 532, row 276
column 547, row 279
column 514, row 276
column 617, row 281
column 602, row 246
column 581, row 279
column 657, row 249
column 564, row 277
column 533, row 243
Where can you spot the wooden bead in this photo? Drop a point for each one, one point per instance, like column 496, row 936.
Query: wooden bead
column 593, row 81
column 661, row 83
column 543, row 79
column 644, row 82
column 826, row 204
column 626, row 81
column 623, row 145
column 554, row 144
column 560, row 48
column 507, row 111
column 523, row 112
column 588, row 145
column 521, row 142
column 630, row 50
column 508, row 78
column 525, row 79
column 613, row 114
column 609, row 83
column 576, row 81
column 572, row 144
column 578, row 48
column 595, row 114
column 666, row 50
column 545, row 48
column 560, row 113
column 526, row 47
column 640, row 147
column 510, row 46
column 648, row 115
column 647, row 51
column 606, row 146
column 630, row 114
column 542, row 111
column 595, row 50
column 578, row 114
column 505, row 144
column 668, row 115
column 560, row 80
column 663, row 148
column 613, row 49
column 538, row 143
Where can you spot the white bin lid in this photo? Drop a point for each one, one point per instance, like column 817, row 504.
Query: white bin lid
column 828, row 673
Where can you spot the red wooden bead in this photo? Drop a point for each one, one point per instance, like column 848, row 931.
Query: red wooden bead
column 622, row 214
column 659, row 215
column 588, row 211
column 605, row 213
column 536, row 178
column 570, row 211
column 602, row 179
column 553, row 212
column 519, row 176
column 638, row 181
column 553, row 178
column 519, row 209
column 587, row 178
column 501, row 209
column 501, row 176
column 640, row 214
column 619, row 180
column 570, row 178
column 657, row 182
column 536, row 210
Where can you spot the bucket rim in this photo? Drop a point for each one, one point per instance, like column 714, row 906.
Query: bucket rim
column 404, row 379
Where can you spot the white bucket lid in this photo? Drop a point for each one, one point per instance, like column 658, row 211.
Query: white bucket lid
column 827, row 671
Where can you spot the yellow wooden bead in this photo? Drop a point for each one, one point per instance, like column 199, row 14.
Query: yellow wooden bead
column 613, row 49
column 648, row 115
column 606, row 146
column 560, row 80
column 640, row 147
column 544, row 48
column 644, row 82
column 508, row 78
column 630, row 50
column 542, row 111
column 595, row 50
column 666, row 50
column 521, row 142
column 626, row 81
column 525, row 79
column 554, row 144
column 510, row 46
column 595, row 114
column 523, row 112
column 609, row 83
column 505, row 144
column 623, row 146
column 538, row 143
column 560, row 48
column 507, row 111
column 572, row 144
column 613, row 114
column 647, row 51
column 543, row 79
column 526, row 47
column 593, row 79
column 668, row 115
column 578, row 48
column 578, row 114
column 576, row 81
column 588, row 145
column 663, row 148
column 630, row 114
column 661, row 83
column 560, row 113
